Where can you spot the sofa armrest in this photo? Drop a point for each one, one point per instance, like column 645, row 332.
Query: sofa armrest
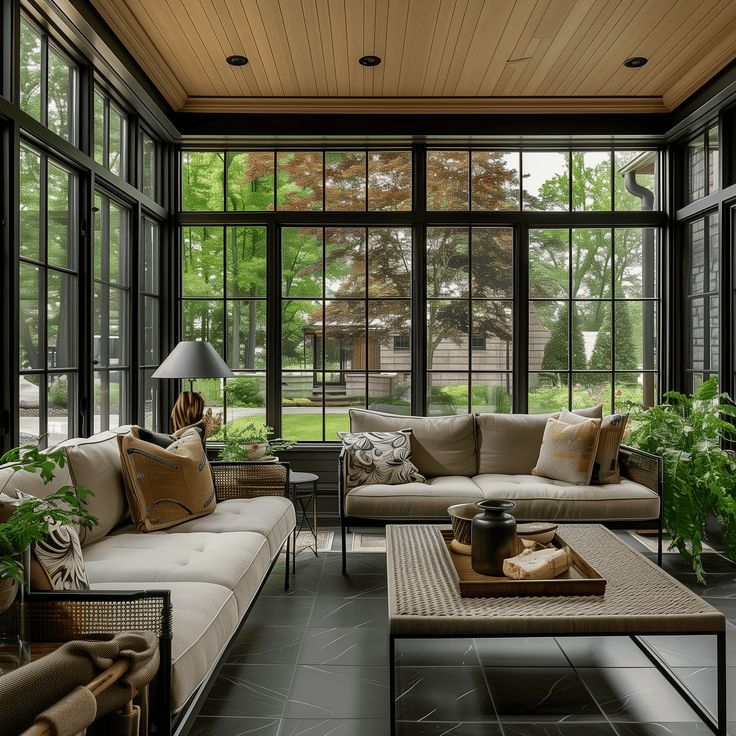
column 249, row 479
column 641, row 467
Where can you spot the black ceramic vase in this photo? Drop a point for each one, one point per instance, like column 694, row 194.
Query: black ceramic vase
column 493, row 537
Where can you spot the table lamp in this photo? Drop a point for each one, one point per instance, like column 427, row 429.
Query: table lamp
column 191, row 359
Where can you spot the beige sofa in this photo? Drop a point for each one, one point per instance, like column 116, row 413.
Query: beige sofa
column 210, row 569
column 473, row 457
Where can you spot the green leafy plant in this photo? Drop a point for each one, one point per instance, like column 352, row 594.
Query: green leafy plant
column 31, row 518
column 236, row 439
column 699, row 474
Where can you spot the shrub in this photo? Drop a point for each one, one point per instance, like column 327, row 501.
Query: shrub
column 245, row 391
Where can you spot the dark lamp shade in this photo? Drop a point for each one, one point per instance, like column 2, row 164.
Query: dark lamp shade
column 193, row 359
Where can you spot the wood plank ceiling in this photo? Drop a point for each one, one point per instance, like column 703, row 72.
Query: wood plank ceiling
column 454, row 56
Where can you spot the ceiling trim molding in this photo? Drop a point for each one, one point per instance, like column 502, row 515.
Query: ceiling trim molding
column 425, row 105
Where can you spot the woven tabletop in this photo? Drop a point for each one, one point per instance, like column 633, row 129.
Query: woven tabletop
column 424, row 599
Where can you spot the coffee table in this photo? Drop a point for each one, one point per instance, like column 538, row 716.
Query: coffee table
column 641, row 599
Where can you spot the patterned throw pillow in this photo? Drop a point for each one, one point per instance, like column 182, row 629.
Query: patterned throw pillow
column 379, row 458
column 56, row 561
column 568, row 451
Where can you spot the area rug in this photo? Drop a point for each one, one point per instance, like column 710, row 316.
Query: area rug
column 368, row 542
column 324, row 541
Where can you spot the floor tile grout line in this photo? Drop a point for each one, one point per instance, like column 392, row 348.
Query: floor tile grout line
column 488, row 687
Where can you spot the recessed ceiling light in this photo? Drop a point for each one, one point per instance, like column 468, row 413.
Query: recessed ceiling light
column 369, row 60
column 635, row 62
column 237, row 60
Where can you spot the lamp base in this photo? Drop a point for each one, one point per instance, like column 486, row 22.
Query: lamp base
column 187, row 410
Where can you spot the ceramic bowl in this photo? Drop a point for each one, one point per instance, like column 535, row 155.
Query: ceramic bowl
column 461, row 516
column 537, row 531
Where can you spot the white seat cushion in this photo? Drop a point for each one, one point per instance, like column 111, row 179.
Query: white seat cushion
column 205, row 617
column 411, row 500
column 545, row 499
column 236, row 560
column 271, row 516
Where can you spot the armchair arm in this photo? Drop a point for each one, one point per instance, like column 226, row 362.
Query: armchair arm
column 249, row 479
column 641, row 467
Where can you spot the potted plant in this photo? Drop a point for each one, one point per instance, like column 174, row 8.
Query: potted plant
column 31, row 518
column 249, row 442
column 690, row 433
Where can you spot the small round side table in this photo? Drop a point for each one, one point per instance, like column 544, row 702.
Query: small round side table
column 302, row 498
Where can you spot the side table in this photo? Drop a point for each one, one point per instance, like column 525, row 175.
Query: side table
column 302, row 497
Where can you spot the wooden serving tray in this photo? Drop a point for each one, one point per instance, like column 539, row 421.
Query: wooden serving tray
column 579, row 579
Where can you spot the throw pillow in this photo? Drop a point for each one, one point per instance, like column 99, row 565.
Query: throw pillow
column 56, row 561
column 605, row 469
column 568, row 451
column 379, row 458
column 166, row 486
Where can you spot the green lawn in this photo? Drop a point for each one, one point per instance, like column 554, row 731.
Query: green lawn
column 307, row 426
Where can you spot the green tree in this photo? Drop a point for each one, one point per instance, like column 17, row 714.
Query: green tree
column 556, row 350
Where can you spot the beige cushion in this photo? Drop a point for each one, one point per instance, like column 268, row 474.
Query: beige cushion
column 546, row 499
column 439, row 445
column 568, row 451
column 31, row 483
column 205, row 617
column 428, row 500
column 510, row 443
column 271, row 516
column 236, row 560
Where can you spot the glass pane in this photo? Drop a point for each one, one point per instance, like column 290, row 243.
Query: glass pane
column 343, row 391
column 61, row 95
column 246, row 261
column 389, row 180
column 59, row 230
column 448, row 179
column 202, row 181
column 301, row 261
column 591, row 180
column 635, row 262
column 30, row 313
column 345, row 260
column 301, row 338
column 695, row 161
column 447, row 393
column 61, row 316
column 29, row 91
column 28, row 411
column 149, row 412
column 636, row 336
column 151, row 262
column 546, row 180
column 590, row 389
column 494, row 180
column 634, row 388
column 118, row 254
column 634, row 169
column 246, row 399
column 390, row 392
column 203, row 320
column 202, row 264
column 211, row 390
column 30, row 204
column 250, row 181
column 150, row 327
column 548, row 262
column 389, row 335
column 490, row 393
column 713, row 253
column 447, row 335
column 698, row 329
column 447, row 261
column 110, row 399
column 714, row 319
column 110, row 326
column 299, row 180
column 302, row 406
column 714, row 178
column 591, row 263
column 491, row 346
column 548, row 392
column 149, row 167
column 99, row 128
column 345, row 346
column 591, row 336
column 492, row 261
column 246, row 334
column 61, row 402
column 548, row 336
column 117, row 141
column 389, row 261
column 345, row 180
column 696, row 241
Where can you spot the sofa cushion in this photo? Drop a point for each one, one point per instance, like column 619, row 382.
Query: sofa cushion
column 31, row 483
column 568, row 450
column 379, row 457
column 271, row 516
column 236, row 560
column 439, row 445
column 545, row 499
column 428, row 500
column 510, row 443
column 205, row 617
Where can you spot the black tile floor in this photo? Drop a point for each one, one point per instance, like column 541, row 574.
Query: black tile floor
column 314, row 662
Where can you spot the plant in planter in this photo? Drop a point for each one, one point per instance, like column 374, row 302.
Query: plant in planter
column 31, row 519
column 699, row 474
column 249, row 442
